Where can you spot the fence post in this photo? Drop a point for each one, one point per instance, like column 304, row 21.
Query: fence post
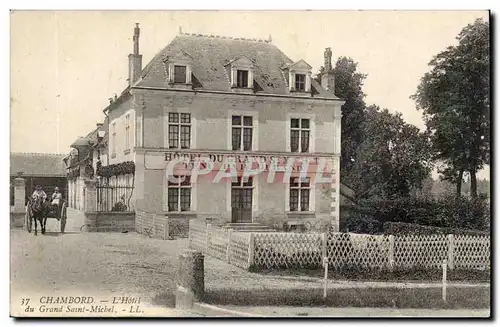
column 166, row 231
column 324, row 241
column 153, row 228
column 325, row 264
column 391, row 252
column 451, row 249
column 251, row 250
column 445, row 266
column 228, row 248
column 208, row 237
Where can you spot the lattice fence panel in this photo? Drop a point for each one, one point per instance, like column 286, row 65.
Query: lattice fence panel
column 138, row 221
column 217, row 243
column 420, row 250
column 368, row 251
column 274, row 250
column 178, row 227
column 159, row 226
column 198, row 235
column 238, row 255
column 147, row 224
column 471, row 252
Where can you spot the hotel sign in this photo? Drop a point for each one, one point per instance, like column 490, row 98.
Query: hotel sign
column 266, row 162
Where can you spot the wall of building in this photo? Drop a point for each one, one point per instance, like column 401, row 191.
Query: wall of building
column 76, row 193
column 211, row 131
column 211, row 124
column 117, row 149
column 110, row 221
column 212, row 200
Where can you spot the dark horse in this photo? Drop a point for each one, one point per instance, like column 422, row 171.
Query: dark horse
column 38, row 209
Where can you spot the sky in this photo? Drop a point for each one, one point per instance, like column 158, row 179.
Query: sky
column 66, row 64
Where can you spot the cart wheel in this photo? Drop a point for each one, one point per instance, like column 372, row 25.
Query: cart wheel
column 27, row 220
column 62, row 221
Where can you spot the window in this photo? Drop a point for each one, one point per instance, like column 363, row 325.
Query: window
column 179, row 194
column 180, row 74
column 299, row 135
column 242, row 78
column 179, row 129
column 127, row 132
column 113, row 141
column 242, row 133
column 300, row 82
column 299, row 194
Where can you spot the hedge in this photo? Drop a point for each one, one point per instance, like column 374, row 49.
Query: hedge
column 399, row 228
column 449, row 212
column 122, row 168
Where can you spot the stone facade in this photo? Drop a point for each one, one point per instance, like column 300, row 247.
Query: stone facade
column 139, row 131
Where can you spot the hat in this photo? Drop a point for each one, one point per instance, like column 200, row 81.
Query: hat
column 56, row 189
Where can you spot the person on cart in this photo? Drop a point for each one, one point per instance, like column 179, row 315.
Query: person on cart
column 57, row 202
column 39, row 192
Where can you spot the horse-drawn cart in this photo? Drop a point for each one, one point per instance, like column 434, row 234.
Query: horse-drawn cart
column 50, row 212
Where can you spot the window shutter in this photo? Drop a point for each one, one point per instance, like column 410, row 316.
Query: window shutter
column 250, row 78
column 308, row 82
column 171, row 72
column 291, row 82
column 233, row 76
column 188, row 74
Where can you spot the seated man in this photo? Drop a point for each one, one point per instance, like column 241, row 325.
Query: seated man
column 39, row 193
column 57, row 202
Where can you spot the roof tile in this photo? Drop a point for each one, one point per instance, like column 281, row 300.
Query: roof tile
column 211, row 53
column 37, row 164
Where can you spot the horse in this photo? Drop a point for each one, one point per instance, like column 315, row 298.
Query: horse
column 37, row 209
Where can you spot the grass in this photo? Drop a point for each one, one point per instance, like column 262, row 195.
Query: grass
column 428, row 275
column 457, row 298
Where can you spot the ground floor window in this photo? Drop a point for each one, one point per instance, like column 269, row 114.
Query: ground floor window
column 179, row 194
column 300, row 190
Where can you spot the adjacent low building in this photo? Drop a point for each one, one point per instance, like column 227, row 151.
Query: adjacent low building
column 44, row 169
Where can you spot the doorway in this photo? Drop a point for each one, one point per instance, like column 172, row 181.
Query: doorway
column 241, row 201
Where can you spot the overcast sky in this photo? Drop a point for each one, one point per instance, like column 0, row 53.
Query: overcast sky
column 65, row 65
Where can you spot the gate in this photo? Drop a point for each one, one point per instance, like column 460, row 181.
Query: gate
column 114, row 198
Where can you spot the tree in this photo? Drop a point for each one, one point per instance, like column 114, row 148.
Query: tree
column 454, row 99
column 348, row 87
column 393, row 157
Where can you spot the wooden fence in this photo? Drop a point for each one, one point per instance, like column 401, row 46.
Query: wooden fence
column 160, row 226
column 278, row 250
column 227, row 245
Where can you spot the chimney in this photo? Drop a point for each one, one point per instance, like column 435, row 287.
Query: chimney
column 328, row 78
column 135, row 59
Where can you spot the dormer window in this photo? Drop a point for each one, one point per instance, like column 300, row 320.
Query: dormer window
column 178, row 69
column 240, row 72
column 242, row 78
column 298, row 76
column 180, row 74
column 300, row 82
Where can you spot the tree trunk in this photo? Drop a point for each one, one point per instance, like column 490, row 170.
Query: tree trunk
column 459, row 183
column 473, row 183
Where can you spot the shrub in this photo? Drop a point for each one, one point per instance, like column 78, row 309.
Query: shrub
column 447, row 212
column 399, row 228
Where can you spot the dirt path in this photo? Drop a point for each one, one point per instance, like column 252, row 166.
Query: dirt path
column 104, row 265
column 95, row 264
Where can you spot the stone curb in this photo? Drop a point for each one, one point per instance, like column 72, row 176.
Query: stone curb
column 209, row 310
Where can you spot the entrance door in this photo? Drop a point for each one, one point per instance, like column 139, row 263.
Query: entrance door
column 241, row 201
